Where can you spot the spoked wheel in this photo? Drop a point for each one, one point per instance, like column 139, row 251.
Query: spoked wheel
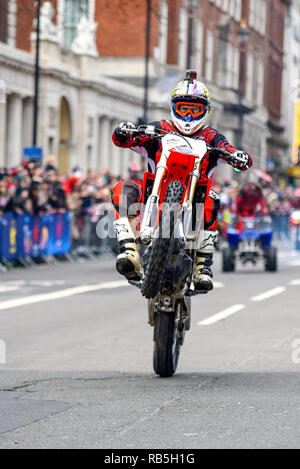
column 166, row 344
column 162, row 244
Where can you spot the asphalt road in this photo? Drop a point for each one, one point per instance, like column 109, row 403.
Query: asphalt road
column 78, row 370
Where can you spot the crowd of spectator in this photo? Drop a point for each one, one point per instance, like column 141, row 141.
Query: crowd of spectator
column 32, row 189
column 36, row 190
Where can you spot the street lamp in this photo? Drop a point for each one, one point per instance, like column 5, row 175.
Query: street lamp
column 37, row 76
column 243, row 34
column 191, row 13
column 147, row 59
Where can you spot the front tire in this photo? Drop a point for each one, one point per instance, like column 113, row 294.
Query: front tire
column 166, row 344
column 162, row 246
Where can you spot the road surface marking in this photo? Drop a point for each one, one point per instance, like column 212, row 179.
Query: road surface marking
column 295, row 283
column 56, row 295
column 285, row 254
column 269, row 294
column 222, row 315
column 294, row 264
column 219, row 285
column 5, row 289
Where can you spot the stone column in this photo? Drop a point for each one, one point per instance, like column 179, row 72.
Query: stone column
column 105, row 143
column 27, row 118
column 116, row 163
column 14, row 131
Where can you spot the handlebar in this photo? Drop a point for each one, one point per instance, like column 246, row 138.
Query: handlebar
column 154, row 132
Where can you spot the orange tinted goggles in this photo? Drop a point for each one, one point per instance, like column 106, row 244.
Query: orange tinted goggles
column 194, row 109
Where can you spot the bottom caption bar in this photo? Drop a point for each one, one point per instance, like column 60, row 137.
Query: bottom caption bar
column 134, row 458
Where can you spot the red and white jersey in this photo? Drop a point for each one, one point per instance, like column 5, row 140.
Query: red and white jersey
column 151, row 148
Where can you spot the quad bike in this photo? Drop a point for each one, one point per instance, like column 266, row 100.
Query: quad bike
column 171, row 225
column 250, row 240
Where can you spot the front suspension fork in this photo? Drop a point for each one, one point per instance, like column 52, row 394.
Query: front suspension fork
column 152, row 206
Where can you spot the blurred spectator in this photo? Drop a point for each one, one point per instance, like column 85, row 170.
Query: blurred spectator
column 136, row 172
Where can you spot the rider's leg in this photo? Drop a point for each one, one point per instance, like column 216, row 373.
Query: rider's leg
column 206, row 245
column 126, row 194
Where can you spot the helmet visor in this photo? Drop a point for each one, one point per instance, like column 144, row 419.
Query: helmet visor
column 195, row 110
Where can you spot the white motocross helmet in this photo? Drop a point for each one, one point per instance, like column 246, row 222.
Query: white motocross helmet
column 190, row 104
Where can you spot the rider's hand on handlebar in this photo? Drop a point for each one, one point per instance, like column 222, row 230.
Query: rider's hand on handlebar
column 240, row 160
column 125, row 128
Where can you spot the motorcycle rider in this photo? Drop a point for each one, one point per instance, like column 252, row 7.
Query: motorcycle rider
column 190, row 108
column 250, row 201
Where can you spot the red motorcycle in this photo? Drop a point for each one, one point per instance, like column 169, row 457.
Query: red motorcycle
column 171, row 227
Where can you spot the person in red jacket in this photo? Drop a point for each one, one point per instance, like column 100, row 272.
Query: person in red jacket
column 190, row 108
column 250, row 201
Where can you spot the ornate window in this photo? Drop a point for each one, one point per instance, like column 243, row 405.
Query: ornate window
column 73, row 12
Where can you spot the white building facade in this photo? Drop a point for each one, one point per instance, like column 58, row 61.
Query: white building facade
column 79, row 107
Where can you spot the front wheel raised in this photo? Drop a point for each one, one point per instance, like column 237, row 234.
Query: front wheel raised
column 166, row 344
column 162, row 244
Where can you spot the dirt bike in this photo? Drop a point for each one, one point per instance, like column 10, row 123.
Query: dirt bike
column 171, row 226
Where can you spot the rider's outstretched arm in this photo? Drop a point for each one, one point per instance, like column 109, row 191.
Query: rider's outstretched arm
column 125, row 140
column 220, row 141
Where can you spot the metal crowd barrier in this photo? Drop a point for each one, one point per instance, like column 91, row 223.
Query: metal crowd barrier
column 24, row 238
column 93, row 235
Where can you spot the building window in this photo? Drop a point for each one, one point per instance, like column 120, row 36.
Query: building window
column 182, row 46
column 257, row 15
column 229, row 65
column 74, row 10
column 262, row 18
column 198, row 52
column 249, row 87
column 260, row 83
column 3, row 20
column 252, row 4
column 238, row 10
column 161, row 50
column 232, row 67
column 236, row 68
column 209, row 59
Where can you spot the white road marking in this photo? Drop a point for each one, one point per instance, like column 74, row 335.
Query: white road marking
column 294, row 264
column 219, row 285
column 269, row 294
column 56, row 295
column 295, row 283
column 4, row 289
column 39, row 283
column 285, row 254
column 222, row 315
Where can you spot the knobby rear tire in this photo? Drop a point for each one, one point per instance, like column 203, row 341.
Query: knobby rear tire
column 161, row 247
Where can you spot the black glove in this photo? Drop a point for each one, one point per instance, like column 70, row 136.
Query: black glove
column 123, row 128
column 240, row 160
